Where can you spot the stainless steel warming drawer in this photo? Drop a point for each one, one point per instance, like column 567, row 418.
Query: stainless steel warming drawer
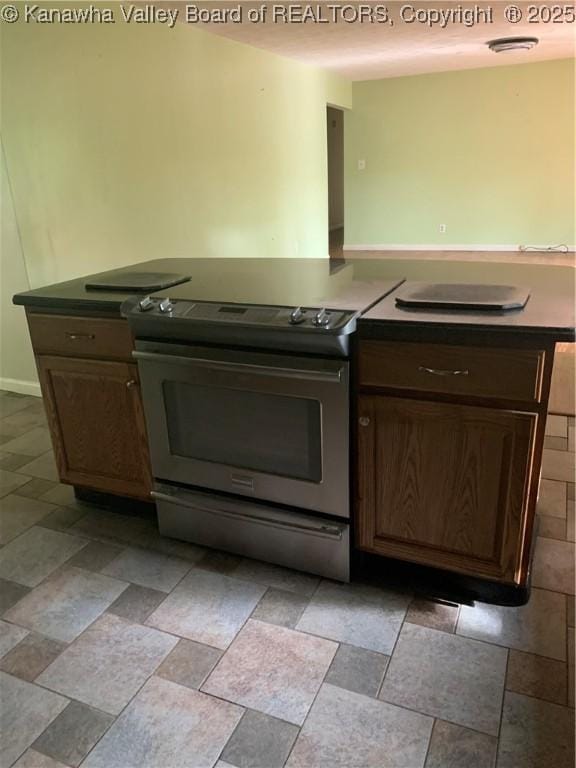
column 279, row 536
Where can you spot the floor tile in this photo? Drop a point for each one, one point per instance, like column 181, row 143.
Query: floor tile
column 357, row 669
column 44, row 467
column 73, row 733
column 219, row 562
column 537, row 627
column 62, row 518
column 537, row 676
column 95, row 556
column 448, row 677
column 137, row 603
column 189, row 663
column 535, row 734
column 556, row 443
column 570, row 610
column 11, row 405
column 207, row 607
column 10, row 636
column 552, row 498
column 558, row 465
column 572, row 438
column 276, row 576
column 183, row 550
column 33, row 443
column 571, row 490
column 35, row 488
column 10, row 594
column 18, row 513
column 33, row 759
column 111, row 527
column 31, row 656
column 148, row 569
column 10, row 481
column 65, row 604
column 61, row 495
column 107, row 665
column 348, row 730
column 365, row 616
column 556, row 426
column 552, row 527
column 26, row 711
column 452, row 746
column 36, row 554
column 428, row 613
column 167, row 725
column 260, row 741
column 279, row 607
column 12, row 461
column 571, row 520
column 272, row 669
column 553, row 566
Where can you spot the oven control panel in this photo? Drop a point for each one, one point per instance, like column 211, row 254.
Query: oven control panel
column 309, row 318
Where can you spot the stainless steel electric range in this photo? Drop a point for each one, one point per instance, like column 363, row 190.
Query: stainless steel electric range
column 247, row 408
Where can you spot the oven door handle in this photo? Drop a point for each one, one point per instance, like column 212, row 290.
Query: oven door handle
column 260, row 370
column 324, row 530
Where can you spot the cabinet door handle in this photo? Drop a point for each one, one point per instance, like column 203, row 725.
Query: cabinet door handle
column 131, row 384
column 79, row 336
column 364, row 421
column 440, row 372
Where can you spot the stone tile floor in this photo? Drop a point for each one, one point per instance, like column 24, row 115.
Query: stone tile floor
column 119, row 648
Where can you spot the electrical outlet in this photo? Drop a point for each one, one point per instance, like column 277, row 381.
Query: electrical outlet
column 442, row 229
column 361, row 165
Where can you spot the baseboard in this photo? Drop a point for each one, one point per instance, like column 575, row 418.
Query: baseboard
column 21, row 387
column 435, row 247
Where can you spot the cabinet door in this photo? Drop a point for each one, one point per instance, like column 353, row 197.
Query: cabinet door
column 444, row 485
column 96, row 419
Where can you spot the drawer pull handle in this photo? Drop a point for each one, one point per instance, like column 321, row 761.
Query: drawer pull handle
column 364, row 421
column 131, row 384
column 440, row 372
column 80, row 336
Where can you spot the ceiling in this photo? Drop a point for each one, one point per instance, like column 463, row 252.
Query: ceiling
column 364, row 51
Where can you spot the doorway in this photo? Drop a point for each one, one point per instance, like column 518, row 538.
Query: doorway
column 335, row 138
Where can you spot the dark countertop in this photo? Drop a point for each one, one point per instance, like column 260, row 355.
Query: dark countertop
column 351, row 284
column 284, row 282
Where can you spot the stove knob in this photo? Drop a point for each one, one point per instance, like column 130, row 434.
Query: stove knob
column 166, row 306
column 297, row 316
column 321, row 318
column 145, row 305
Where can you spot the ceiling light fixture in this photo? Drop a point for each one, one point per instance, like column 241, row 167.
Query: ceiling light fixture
column 512, row 44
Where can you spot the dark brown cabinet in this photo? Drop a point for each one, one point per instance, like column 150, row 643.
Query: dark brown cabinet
column 444, row 484
column 93, row 404
column 447, row 475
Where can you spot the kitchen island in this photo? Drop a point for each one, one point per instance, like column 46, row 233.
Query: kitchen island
column 448, row 408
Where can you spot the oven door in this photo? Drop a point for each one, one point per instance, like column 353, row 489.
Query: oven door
column 272, row 427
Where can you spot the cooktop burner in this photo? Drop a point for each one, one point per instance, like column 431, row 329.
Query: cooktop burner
column 140, row 282
column 462, row 296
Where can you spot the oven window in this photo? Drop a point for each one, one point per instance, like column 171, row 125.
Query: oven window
column 273, row 434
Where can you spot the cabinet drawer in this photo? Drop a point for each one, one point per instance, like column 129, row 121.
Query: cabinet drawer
column 509, row 374
column 99, row 337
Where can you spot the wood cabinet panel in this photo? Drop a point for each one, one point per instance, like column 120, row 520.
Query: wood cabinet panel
column 444, row 484
column 97, row 424
column 508, row 374
column 95, row 337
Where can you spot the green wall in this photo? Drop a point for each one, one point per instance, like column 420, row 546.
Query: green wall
column 126, row 143
column 489, row 153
